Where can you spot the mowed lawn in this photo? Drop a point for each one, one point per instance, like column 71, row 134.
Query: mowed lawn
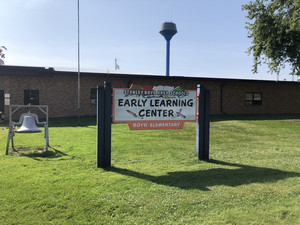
column 253, row 176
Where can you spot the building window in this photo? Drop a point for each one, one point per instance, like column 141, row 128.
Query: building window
column 93, row 96
column 253, row 98
column 31, row 97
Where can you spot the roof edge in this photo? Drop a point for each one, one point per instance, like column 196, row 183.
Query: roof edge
column 40, row 71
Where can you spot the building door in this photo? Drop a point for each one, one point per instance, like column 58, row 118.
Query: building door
column 2, row 101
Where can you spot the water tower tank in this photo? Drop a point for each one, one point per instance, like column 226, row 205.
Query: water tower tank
column 168, row 30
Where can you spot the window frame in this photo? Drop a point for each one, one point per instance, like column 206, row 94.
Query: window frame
column 253, row 98
column 31, row 97
column 93, row 96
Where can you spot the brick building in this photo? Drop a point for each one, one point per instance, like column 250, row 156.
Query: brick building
column 58, row 90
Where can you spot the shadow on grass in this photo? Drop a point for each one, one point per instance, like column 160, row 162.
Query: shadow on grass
column 92, row 120
column 202, row 179
column 227, row 117
column 65, row 122
column 73, row 121
column 42, row 154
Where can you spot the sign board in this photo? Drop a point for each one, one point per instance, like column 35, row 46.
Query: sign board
column 160, row 107
column 7, row 99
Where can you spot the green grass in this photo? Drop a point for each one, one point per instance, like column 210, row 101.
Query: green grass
column 253, row 176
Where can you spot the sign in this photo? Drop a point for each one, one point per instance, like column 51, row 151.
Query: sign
column 7, row 99
column 127, row 99
column 160, row 107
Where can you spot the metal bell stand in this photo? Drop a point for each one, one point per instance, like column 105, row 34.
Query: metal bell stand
column 11, row 131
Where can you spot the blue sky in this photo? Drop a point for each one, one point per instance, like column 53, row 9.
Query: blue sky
column 211, row 40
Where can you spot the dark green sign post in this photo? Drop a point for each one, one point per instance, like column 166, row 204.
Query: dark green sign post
column 104, row 120
column 202, row 130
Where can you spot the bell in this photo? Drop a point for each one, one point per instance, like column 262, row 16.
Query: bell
column 28, row 125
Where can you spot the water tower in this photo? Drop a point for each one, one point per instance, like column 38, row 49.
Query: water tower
column 168, row 30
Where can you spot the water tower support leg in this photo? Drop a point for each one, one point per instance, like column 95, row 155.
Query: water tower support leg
column 168, row 59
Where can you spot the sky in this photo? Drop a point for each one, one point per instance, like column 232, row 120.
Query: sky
column 211, row 40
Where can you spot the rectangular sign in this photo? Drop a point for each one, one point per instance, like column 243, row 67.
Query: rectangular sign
column 7, row 101
column 160, row 107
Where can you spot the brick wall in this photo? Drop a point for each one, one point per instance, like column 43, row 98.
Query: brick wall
column 277, row 98
column 59, row 92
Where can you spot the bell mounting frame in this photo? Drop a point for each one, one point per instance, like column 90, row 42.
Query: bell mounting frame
column 11, row 132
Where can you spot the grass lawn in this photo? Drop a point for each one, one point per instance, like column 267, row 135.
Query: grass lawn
column 253, row 176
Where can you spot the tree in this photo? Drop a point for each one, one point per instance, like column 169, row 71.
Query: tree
column 2, row 55
column 275, row 34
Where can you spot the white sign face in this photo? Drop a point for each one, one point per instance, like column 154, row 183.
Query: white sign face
column 7, row 101
column 162, row 103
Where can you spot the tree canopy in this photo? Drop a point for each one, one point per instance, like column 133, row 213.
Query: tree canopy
column 274, row 28
column 2, row 55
